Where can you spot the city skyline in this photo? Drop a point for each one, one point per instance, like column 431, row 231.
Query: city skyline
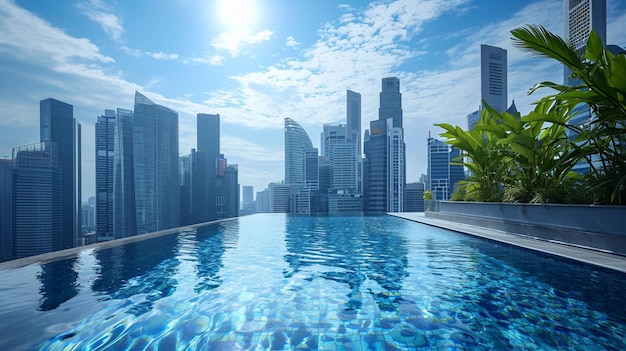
column 95, row 54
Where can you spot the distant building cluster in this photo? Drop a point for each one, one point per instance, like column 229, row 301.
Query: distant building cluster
column 349, row 175
column 142, row 184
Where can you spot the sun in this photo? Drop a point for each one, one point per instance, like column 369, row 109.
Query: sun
column 237, row 13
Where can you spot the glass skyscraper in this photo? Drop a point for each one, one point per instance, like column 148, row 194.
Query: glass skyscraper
column 57, row 124
column 38, row 201
column 124, row 215
column 297, row 143
column 493, row 77
column 6, row 236
column 146, row 182
column 442, row 176
column 157, row 182
column 105, row 157
column 384, row 170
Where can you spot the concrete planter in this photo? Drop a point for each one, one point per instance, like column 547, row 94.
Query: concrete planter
column 597, row 227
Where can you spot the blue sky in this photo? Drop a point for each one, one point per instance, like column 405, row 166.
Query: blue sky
column 255, row 67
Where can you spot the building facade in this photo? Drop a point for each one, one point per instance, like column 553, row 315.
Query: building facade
column 6, row 210
column 384, row 170
column 105, row 158
column 155, row 144
column 443, row 176
column 493, row 77
column 57, row 124
column 124, row 211
column 38, row 212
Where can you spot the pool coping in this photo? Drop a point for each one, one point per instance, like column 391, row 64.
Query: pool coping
column 581, row 254
column 67, row 253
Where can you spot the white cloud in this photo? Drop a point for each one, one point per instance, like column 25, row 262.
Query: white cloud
column 24, row 35
column 233, row 41
column 291, row 41
column 155, row 55
column 100, row 13
column 213, row 60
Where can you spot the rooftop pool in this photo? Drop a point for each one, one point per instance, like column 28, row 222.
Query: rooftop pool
column 278, row 282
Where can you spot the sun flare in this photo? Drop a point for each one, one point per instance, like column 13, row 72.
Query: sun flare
column 237, row 13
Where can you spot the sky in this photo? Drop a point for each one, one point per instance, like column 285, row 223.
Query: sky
column 256, row 62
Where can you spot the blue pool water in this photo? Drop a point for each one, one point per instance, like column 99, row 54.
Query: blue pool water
column 279, row 282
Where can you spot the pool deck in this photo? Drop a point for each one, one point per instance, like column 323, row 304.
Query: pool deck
column 594, row 257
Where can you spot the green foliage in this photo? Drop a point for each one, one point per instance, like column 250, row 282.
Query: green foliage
column 530, row 158
column 428, row 195
column 601, row 142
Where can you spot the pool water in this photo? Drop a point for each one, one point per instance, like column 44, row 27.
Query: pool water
column 277, row 282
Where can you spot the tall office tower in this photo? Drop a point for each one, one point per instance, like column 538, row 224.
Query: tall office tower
column 105, row 156
column 396, row 171
column 204, row 168
column 383, row 188
column 493, row 77
column 353, row 134
column 124, row 209
column 442, row 176
column 343, row 159
column 247, row 203
column 157, row 182
column 391, row 101
column 6, row 181
column 579, row 18
column 185, row 189
column 297, row 143
column 353, row 112
column 38, row 202
column 226, row 195
column 375, row 168
column 57, row 124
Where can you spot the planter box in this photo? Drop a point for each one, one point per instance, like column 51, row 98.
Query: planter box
column 597, row 227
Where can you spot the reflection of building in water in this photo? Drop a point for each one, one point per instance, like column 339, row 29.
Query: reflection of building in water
column 210, row 252
column 144, row 261
column 58, row 283
column 355, row 246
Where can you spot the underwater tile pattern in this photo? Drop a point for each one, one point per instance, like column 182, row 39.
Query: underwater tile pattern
column 278, row 282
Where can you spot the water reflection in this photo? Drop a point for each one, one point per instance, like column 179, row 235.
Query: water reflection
column 124, row 271
column 350, row 251
column 210, row 251
column 59, row 283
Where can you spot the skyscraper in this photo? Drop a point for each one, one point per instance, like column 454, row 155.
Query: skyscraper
column 204, row 168
column 157, row 182
column 297, row 143
column 105, row 157
column 383, row 186
column 493, row 77
column 38, row 201
column 391, row 101
column 353, row 134
column 57, row 124
column 124, row 209
column 247, row 203
column 580, row 17
column 442, row 176
column 375, row 168
column 299, row 149
column 6, row 236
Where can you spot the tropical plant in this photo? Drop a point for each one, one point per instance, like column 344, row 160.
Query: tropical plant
column 601, row 142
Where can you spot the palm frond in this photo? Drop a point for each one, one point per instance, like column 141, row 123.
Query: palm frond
column 541, row 42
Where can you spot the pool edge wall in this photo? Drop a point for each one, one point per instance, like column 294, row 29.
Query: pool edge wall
column 597, row 227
